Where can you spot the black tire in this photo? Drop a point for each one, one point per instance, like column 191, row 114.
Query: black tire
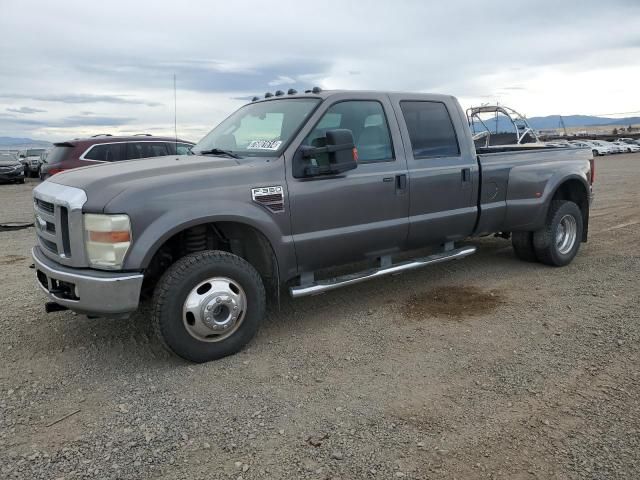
column 544, row 240
column 522, row 243
column 176, row 284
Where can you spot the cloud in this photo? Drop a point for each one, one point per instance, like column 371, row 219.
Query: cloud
column 281, row 80
column 542, row 60
column 80, row 99
column 208, row 75
column 26, row 110
column 69, row 122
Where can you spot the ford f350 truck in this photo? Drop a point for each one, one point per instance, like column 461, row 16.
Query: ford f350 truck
column 283, row 190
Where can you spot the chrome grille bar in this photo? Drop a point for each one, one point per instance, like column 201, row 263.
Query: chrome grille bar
column 58, row 211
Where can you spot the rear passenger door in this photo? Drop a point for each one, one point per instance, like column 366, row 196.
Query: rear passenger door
column 441, row 174
column 362, row 213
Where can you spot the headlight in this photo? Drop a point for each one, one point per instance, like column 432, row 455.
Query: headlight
column 107, row 239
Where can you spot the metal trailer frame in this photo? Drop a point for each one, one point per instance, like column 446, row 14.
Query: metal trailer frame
column 519, row 122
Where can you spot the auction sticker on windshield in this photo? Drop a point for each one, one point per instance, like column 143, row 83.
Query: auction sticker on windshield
column 264, row 145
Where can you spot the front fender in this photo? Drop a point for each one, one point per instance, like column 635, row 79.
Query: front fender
column 155, row 232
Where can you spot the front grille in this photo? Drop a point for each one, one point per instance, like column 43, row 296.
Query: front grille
column 59, row 225
column 45, row 206
column 49, row 245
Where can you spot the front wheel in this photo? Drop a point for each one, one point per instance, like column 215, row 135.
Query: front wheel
column 208, row 305
column 558, row 242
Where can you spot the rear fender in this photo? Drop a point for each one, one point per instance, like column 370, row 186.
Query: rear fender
column 532, row 188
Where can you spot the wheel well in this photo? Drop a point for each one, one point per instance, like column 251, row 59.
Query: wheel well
column 574, row 190
column 240, row 239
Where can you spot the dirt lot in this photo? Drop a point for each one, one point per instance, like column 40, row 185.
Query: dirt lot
column 483, row 368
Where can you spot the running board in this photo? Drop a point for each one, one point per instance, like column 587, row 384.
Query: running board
column 322, row 286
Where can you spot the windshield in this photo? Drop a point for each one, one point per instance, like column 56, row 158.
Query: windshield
column 34, row 153
column 259, row 129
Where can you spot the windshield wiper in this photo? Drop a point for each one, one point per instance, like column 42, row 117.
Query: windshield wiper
column 218, row 151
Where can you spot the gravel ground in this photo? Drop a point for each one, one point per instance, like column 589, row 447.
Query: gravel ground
column 484, row 368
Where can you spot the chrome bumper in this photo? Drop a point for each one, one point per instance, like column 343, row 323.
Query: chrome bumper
column 92, row 292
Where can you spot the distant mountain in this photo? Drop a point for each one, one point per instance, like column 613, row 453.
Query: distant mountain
column 553, row 121
column 15, row 142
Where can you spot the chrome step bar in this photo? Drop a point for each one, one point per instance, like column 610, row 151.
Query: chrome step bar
column 322, row 286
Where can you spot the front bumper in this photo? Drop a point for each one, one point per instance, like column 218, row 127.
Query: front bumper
column 12, row 176
column 92, row 292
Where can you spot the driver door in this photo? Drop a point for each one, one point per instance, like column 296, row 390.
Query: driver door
column 362, row 213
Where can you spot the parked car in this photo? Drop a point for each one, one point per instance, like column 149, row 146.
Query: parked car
column 100, row 149
column 32, row 161
column 614, row 148
column 285, row 188
column 627, row 147
column 605, row 146
column 11, row 169
column 596, row 149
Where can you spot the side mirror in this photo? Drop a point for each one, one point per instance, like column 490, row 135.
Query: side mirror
column 337, row 156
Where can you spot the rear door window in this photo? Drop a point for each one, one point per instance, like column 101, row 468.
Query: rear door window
column 146, row 150
column 107, row 152
column 430, row 129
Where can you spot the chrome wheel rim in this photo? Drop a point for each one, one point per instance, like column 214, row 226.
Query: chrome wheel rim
column 214, row 309
column 566, row 234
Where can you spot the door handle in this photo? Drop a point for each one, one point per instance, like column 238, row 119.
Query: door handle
column 387, row 179
column 401, row 182
column 466, row 175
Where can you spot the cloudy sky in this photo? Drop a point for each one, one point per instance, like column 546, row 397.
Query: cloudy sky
column 71, row 68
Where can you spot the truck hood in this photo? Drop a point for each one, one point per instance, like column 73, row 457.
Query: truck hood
column 102, row 183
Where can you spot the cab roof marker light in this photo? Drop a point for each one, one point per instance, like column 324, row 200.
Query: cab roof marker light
column 292, row 91
column 316, row 90
column 268, row 95
column 279, row 93
column 255, row 99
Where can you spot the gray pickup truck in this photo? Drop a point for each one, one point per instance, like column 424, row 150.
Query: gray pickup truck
column 283, row 190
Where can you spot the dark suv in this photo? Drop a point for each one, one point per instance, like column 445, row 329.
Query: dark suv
column 83, row 152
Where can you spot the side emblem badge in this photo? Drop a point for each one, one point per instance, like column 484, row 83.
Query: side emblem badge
column 272, row 197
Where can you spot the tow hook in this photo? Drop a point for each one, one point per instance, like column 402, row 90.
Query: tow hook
column 50, row 307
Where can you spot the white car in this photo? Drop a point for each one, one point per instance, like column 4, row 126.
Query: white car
column 596, row 149
column 628, row 147
column 609, row 147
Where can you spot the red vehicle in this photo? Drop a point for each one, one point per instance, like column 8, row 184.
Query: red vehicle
column 83, row 152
